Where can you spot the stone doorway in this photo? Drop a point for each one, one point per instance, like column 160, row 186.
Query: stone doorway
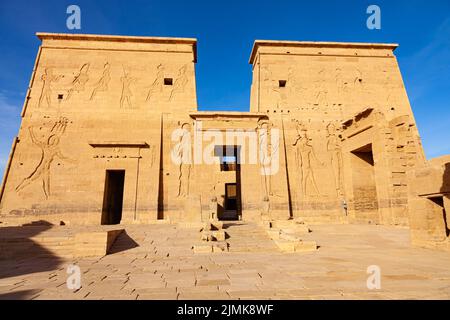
column 364, row 185
column 438, row 209
column 113, row 197
column 230, row 203
column 230, row 182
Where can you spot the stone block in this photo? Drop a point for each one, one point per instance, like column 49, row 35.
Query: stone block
column 219, row 235
column 205, row 248
column 305, row 246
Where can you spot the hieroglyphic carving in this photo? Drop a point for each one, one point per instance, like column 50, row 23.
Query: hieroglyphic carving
column 152, row 155
column 126, row 89
column 49, row 151
column 183, row 155
column 305, row 155
column 102, row 84
column 47, row 79
column 334, row 148
column 157, row 85
column 180, row 82
column 79, row 80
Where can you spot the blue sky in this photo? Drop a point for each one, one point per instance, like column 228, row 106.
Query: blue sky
column 226, row 30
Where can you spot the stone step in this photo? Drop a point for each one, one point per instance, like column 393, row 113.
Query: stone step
column 249, row 237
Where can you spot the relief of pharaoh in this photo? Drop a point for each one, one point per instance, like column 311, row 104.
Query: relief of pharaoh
column 334, row 149
column 49, row 151
column 79, row 81
column 305, row 156
column 47, row 79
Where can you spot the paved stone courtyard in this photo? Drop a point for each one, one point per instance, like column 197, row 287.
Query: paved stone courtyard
column 157, row 262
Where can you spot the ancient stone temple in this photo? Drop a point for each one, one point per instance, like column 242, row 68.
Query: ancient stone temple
column 111, row 134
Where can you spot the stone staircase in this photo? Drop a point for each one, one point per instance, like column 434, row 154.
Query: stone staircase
column 248, row 237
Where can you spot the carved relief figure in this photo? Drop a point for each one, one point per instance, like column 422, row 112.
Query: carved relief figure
column 126, row 89
column 341, row 84
column 334, row 149
column 321, row 94
column 102, row 84
column 266, row 77
column 294, row 85
column 158, row 84
column 282, row 97
column 268, row 149
column 357, row 83
column 391, row 98
column 180, row 82
column 49, row 151
column 183, row 154
column 79, row 81
column 265, row 208
column 47, row 79
column 304, row 157
column 300, row 128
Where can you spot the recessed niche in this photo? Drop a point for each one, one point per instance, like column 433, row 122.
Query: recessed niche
column 282, row 83
column 168, row 81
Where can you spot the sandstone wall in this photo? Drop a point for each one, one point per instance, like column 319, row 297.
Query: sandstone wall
column 96, row 103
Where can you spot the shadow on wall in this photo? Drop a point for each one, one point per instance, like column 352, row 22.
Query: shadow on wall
column 20, row 254
column 445, row 188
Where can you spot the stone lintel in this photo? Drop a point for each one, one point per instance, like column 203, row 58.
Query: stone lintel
column 115, row 144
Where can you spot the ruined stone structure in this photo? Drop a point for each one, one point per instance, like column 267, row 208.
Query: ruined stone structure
column 111, row 134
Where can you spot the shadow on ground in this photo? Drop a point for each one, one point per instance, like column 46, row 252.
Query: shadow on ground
column 20, row 295
column 123, row 242
column 20, row 254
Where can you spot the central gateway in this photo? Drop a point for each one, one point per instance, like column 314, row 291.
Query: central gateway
column 228, row 179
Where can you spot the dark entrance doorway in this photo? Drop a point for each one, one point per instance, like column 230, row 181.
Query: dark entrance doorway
column 113, row 197
column 230, row 208
column 231, row 197
column 364, row 185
